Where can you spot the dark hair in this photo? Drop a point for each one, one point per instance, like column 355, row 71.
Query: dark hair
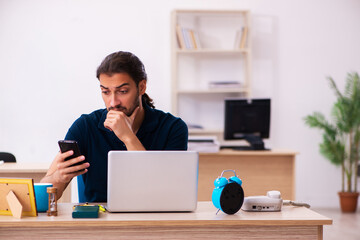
column 125, row 62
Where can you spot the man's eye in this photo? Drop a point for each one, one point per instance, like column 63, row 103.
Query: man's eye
column 122, row 91
column 105, row 92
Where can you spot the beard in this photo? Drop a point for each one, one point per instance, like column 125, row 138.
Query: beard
column 128, row 111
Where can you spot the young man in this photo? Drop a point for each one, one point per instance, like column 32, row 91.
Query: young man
column 129, row 122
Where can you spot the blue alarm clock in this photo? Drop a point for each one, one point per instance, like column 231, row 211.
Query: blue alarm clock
column 228, row 195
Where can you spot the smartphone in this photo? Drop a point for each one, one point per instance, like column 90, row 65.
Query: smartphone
column 67, row 145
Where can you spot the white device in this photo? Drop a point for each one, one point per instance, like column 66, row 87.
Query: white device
column 152, row 181
column 272, row 202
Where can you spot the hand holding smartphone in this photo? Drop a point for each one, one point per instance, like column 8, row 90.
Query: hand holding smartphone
column 67, row 145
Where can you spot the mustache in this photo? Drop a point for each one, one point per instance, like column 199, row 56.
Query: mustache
column 117, row 107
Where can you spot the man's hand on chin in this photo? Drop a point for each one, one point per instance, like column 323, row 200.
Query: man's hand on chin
column 121, row 124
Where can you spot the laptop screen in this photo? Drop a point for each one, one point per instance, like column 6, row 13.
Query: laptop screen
column 152, row 181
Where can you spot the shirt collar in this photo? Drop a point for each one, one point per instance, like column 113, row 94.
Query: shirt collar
column 151, row 120
column 102, row 120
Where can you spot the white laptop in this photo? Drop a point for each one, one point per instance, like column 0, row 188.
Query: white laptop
column 152, row 181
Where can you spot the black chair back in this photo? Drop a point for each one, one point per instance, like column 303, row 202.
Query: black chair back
column 7, row 157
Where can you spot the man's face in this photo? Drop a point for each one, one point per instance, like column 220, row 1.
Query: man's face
column 120, row 93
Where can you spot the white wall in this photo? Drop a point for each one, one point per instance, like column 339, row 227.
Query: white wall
column 49, row 51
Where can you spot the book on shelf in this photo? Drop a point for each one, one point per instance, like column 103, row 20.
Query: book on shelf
column 237, row 39
column 241, row 38
column 180, row 37
column 197, row 40
column 206, row 144
column 187, row 38
column 194, row 126
column 192, row 37
column 225, row 84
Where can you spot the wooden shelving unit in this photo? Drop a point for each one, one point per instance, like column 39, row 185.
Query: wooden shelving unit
column 217, row 57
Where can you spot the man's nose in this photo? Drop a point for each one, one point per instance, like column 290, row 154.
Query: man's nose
column 114, row 101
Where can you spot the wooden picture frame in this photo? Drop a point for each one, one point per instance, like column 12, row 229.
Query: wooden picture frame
column 23, row 188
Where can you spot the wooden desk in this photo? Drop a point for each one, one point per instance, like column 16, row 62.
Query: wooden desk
column 261, row 171
column 290, row 223
column 30, row 170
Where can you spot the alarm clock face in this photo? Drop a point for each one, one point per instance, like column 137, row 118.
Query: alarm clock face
column 232, row 198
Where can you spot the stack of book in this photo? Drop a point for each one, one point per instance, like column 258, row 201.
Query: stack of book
column 187, row 38
column 205, row 144
column 224, row 84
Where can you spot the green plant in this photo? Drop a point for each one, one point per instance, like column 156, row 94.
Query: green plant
column 341, row 136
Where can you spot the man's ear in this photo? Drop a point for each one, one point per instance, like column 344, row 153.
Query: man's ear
column 142, row 87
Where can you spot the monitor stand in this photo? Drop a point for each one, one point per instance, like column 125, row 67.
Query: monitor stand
column 256, row 143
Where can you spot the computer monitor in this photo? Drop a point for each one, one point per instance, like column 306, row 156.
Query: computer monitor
column 247, row 119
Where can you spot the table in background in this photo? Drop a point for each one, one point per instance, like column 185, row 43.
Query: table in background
column 290, row 223
column 260, row 171
column 35, row 171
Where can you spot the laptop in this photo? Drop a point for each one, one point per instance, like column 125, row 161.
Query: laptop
column 152, row 181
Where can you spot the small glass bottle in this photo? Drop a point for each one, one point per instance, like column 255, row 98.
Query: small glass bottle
column 52, row 191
